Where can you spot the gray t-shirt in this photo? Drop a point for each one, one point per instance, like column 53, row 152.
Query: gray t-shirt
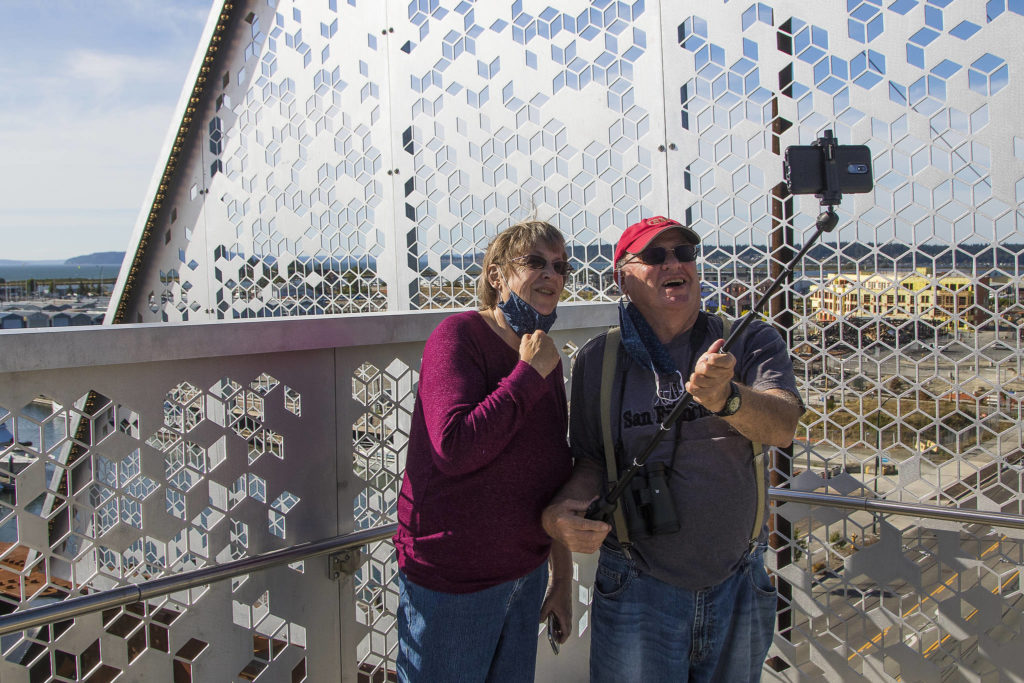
column 710, row 464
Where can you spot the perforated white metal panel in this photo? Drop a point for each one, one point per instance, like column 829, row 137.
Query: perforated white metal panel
column 357, row 156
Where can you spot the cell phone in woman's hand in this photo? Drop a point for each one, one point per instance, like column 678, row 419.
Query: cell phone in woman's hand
column 554, row 631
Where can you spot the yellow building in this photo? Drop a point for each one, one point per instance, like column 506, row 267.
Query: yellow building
column 917, row 295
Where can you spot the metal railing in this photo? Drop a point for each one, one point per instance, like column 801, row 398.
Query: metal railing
column 146, row 590
column 154, row 588
column 873, row 505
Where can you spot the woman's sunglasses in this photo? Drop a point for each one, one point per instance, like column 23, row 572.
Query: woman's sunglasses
column 534, row 262
column 655, row 256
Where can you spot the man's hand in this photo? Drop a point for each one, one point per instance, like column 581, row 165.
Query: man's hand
column 709, row 383
column 564, row 521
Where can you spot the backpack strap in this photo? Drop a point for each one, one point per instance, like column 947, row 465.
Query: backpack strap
column 758, row 459
column 608, row 365
column 759, row 483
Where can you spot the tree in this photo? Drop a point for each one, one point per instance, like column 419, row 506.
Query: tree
column 897, row 385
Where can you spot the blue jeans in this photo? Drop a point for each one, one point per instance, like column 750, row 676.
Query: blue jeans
column 646, row 630
column 489, row 635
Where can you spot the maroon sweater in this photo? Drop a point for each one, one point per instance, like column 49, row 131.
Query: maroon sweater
column 487, row 451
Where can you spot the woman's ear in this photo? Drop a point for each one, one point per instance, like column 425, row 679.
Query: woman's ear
column 494, row 277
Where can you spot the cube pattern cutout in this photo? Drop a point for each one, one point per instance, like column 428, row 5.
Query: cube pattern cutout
column 97, row 498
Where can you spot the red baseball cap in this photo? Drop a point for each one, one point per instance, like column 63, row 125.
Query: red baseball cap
column 637, row 236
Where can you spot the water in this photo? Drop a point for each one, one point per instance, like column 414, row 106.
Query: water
column 58, row 271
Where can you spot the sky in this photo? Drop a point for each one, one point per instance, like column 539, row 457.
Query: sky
column 87, row 96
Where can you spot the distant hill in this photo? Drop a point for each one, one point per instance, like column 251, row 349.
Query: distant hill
column 100, row 258
column 23, row 262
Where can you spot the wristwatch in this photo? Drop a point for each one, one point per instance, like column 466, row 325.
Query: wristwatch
column 732, row 404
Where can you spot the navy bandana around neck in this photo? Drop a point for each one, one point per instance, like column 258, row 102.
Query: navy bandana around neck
column 642, row 343
column 644, row 347
column 522, row 317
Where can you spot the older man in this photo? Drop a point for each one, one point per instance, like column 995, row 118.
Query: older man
column 685, row 598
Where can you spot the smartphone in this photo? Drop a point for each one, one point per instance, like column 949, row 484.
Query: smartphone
column 804, row 169
column 554, row 631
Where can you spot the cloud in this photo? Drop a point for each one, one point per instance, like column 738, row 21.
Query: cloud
column 75, row 184
column 67, row 233
column 96, row 160
column 108, row 74
column 171, row 15
column 87, row 92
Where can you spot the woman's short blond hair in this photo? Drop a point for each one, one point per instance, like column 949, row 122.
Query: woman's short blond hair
column 512, row 242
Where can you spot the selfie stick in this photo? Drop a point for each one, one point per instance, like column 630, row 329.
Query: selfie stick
column 602, row 508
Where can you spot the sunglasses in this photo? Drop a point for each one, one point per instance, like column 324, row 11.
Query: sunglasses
column 534, row 262
column 655, row 256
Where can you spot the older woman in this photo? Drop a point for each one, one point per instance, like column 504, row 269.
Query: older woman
column 487, row 451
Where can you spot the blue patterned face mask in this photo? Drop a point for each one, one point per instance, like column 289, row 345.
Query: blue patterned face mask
column 521, row 316
column 644, row 347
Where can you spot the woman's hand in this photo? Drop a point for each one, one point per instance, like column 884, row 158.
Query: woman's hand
column 538, row 349
column 558, row 601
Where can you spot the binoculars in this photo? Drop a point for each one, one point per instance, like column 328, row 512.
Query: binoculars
column 648, row 505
